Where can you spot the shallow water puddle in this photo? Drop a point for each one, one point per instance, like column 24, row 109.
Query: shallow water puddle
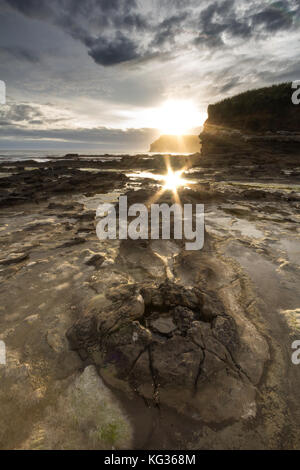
column 92, row 202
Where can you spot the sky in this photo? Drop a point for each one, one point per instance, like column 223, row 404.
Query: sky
column 115, row 74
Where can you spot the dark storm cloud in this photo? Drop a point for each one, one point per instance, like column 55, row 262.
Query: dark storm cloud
column 167, row 29
column 92, row 22
column 115, row 51
column 217, row 18
column 120, row 31
column 131, row 21
column 210, row 30
column 222, row 17
column 274, row 17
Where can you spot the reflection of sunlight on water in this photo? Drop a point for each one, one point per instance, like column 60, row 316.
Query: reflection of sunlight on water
column 144, row 174
column 172, row 180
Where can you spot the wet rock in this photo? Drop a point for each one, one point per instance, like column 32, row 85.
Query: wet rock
column 55, row 341
column 107, row 314
column 162, row 342
column 65, row 207
column 171, row 295
column 224, row 398
column 176, row 362
column 31, row 318
column 183, row 317
column 163, row 325
column 72, row 155
column 75, row 241
column 86, row 215
column 224, row 332
column 14, row 258
column 94, row 259
column 82, row 335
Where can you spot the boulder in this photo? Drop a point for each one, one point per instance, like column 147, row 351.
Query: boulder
column 169, row 344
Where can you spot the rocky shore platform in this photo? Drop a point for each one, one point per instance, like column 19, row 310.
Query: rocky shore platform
column 142, row 344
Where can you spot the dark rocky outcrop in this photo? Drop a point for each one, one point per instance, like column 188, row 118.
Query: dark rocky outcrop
column 167, row 344
column 259, row 128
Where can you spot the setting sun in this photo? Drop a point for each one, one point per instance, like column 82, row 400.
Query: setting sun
column 178, row 117
column 172, row 117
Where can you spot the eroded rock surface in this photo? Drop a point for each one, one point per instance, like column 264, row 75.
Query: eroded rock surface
column 222, row 361
column 169, row 344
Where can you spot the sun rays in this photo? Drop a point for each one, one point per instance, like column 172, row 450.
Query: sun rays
column 173, row 180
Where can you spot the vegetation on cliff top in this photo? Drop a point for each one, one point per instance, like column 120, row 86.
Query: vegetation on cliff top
column 264, row 109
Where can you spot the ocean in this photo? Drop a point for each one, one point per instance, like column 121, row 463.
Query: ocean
column 48, row 155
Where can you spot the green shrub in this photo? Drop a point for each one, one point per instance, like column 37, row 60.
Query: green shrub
column 261, row 109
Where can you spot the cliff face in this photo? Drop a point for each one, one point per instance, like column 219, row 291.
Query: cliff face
column 217, row 139
column 230, row 142
column 228, row 135
column 176, row 144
